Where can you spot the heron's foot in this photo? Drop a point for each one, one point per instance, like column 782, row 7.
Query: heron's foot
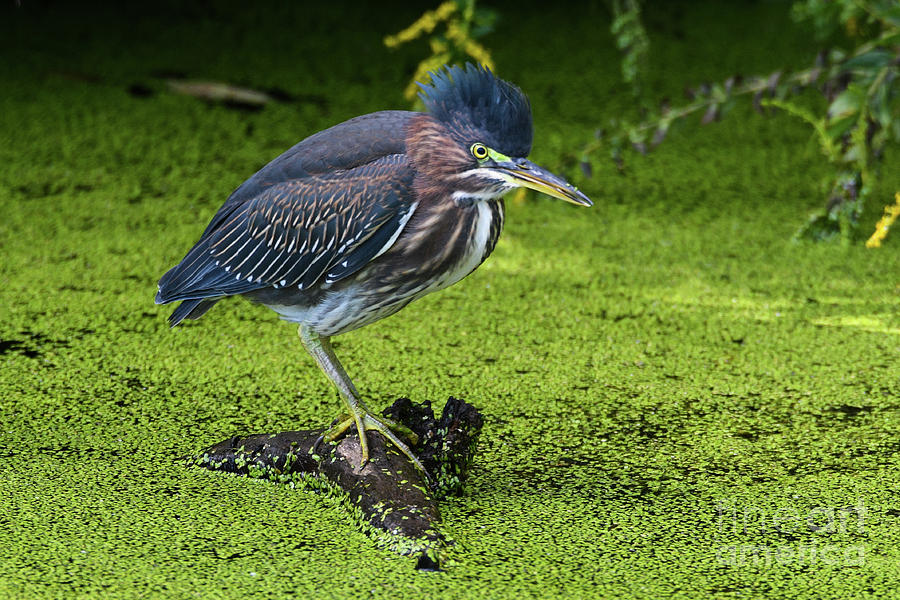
column 366, row 421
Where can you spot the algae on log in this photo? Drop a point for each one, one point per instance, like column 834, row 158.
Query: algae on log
column 392, row 499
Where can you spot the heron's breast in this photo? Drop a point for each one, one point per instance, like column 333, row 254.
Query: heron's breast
column 449, row 241
column 477, row 239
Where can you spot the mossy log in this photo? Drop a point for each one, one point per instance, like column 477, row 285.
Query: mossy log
column 393, row 501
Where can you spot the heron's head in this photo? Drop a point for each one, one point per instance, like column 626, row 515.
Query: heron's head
column 483, row 136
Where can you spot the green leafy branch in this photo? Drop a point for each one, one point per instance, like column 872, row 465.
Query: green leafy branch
column 631, row 40
column 862, row 89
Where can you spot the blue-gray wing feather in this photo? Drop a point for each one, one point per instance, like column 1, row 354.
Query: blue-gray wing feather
column 298, row 233
column 325, row 206
column 347, row 145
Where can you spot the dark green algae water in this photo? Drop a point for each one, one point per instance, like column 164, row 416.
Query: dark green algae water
column 678, row 401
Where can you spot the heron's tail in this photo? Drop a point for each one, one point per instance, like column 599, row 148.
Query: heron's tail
column 191, row 309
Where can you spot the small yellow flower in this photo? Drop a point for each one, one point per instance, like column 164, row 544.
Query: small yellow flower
column 424, row 24
column 453, row 46
column 519, row 196
column 891, row 214
column 480, row 54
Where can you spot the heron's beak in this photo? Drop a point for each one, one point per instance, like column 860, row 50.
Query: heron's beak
column 524, row 173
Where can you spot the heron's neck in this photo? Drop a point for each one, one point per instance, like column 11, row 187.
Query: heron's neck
column 464, row 198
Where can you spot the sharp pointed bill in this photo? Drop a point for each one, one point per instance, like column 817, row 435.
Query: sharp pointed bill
column 524, row 173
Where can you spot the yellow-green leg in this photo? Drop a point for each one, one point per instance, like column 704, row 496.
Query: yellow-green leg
column 359, row 415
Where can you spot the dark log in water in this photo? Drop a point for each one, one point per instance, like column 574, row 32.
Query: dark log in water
column 394, row 501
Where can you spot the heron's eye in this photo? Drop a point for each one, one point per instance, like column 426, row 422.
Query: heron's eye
column 479, row 151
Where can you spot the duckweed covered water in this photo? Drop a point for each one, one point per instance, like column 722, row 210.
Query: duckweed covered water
column 678, row 400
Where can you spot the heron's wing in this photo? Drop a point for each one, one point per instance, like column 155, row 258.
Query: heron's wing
column 299, row 232
column 345, row 146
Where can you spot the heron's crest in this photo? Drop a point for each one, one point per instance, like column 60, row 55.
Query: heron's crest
column 473, row 98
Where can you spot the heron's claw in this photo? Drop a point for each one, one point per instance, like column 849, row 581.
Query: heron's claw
column 366, row 421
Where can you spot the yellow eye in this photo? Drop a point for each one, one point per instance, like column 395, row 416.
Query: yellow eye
column 479, row 151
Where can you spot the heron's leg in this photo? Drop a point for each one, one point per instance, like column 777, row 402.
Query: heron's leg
column 359, row 415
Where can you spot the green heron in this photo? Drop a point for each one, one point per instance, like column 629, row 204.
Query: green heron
column 357, row 221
